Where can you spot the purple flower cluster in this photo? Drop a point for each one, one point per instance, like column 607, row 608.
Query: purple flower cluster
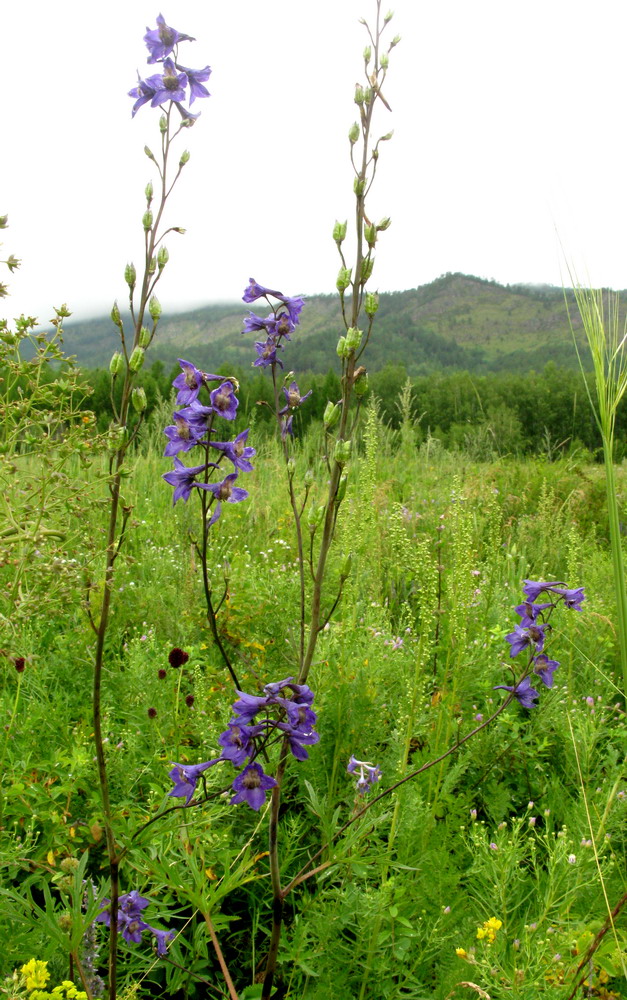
column 531, row 635
column 259, row 721
column 275, row 328
column 193, row 426
column 171, row 85
column 367, row 774
column 130, row 923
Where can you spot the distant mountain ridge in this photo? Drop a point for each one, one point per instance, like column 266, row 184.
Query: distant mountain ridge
column 457, row 322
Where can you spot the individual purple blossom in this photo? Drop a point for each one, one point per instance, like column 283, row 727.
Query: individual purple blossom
column 533, row 588
column 368, row 774
column 130, row 923
column 299, row 737
column 301, row 693
column 169, row 86
column 185, row 778
column 199, row 418
column 226, row 491
column 266, row 353
column 183, row 479
column 529, row 612
column 286, row 426
column 572, row 598
column 237, row 451
column 294, row 306
column 255, row 291
column 181, row 435
column 162, row 939
column 144, row 92
column 196, row 79
column 522, row 691
column 188, row 383
column 236, row 741
column 521, row 638
column 251, row 786
column 545, row 669
column 293, row 398
column 161, row 40
column 224, row 401
column 249, row 705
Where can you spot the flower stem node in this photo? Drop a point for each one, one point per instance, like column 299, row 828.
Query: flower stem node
column 331, row 414
column 130, row 276
column 154, row 308
column 139, row 400
column 353, row 133
column 339, row 232
column 145, row 337
column 353, row 338
column 136, row 359
column 342, row 452
column 116, row 365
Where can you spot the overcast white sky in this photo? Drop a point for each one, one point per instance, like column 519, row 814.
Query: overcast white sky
column 508, row 126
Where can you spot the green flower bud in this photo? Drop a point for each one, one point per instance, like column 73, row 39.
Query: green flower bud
column 149, row 191
column 367, row 266
column 370, row 234
column 152, row 265
column 62, row 312
column 130, row 275
column 359, row 94
column 4, row 221
column 136, row 359
column 388, row 16
column 116, row 365
column 368, row 94
column 226, row 570
column 116, row 437
column 138, row 399
column 149, row 153
column 309, row 477
column 331, row 414
column 361, row 385
column 314, row 518
column 353, row 133
column 65, row 922
column 163, row 124
column 344, row 278
column 385, row 60
column 341, row 349
column 291, row 467
column 342, row 452
column 339, row 232
column 395, row 41
column 184, row 158
column 367, row 54
column 147, row 220
column 68, row 865
column 115, row 315
column 359, row 185
column 347, row 565
column 154, row 307
column 353, row 339
column 372, row 303
column 341, row 489
column 384, row 224
column 163, row 257
column 145, row 337
column 387, row 136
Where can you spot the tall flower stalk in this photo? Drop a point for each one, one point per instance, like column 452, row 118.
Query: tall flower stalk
column 166, row 90
column 609, row 359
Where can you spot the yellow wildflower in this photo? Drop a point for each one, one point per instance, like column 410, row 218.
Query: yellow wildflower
column 36, row 974
column 489, row 929
column 461, row 953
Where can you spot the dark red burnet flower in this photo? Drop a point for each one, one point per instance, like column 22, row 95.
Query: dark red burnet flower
column 162, row 674
column 20, row 664
column 152, row 713
column 189, row 700
column 177, row 657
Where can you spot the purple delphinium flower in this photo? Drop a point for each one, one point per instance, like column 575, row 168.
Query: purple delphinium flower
column 301, row 693
column 293, row 398
column 529, row 612
column 266, row 353
column 237, row 451
column 523, row 692
column 196, row 79
column 181, row 435
column 521, row 638
column 161, row 40
column 255, row 291
column 188, row 383
column 286, row 426
column 226, row 491
column 251, row 786
column 144, row 92
column 185, row 778
column 169, row 86
column 294, row 307
column 299, row 737
column 182, row 478
column 533, row 588
column 236, row 741
column 368, row 774
column 572, row 598
column 162, row 939
column 224, row 401
column 248, row 706
column 130, row 923
column 545, row 669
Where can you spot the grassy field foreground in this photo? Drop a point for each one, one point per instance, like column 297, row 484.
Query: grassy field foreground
column 493, row 871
